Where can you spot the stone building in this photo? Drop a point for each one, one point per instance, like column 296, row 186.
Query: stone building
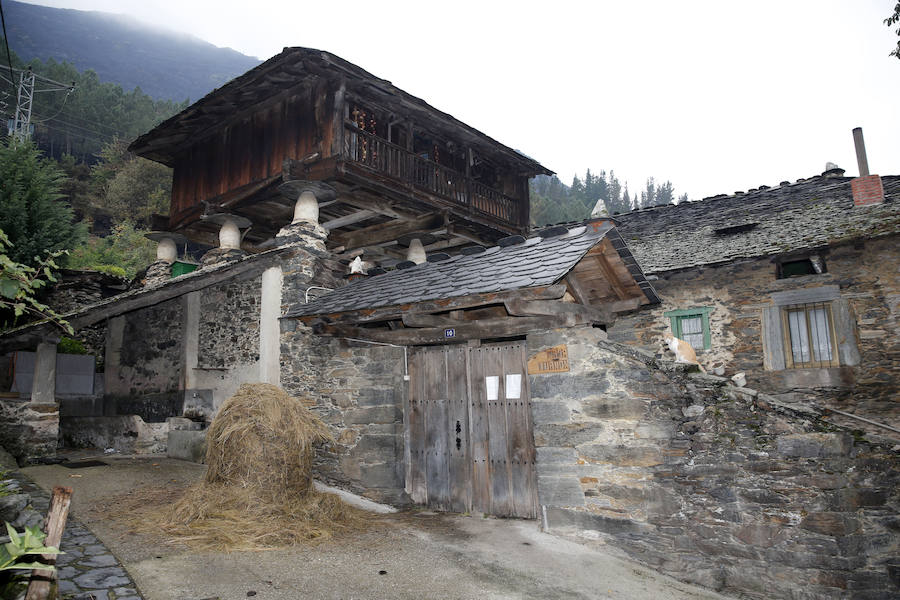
column 491, row 377
column 796, row 286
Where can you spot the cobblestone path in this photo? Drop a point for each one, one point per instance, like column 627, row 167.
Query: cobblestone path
column 87, row 570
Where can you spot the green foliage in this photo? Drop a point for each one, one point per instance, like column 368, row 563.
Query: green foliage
column 13, row 553
column 19, row 283
column 129, row 187
column 69, row 345
column 32, row 213
column 892, row 20
column 96, row 113
column 554, row 202
column 125, row 252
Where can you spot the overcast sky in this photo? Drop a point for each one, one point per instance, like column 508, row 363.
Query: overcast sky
column 715, row 96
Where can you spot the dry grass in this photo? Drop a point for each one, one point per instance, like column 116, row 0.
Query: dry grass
column 258, row 492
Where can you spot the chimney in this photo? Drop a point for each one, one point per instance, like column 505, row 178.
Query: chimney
column 867, row 189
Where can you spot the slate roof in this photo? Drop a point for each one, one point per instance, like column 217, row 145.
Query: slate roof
column 535, row 262
column 792, row 217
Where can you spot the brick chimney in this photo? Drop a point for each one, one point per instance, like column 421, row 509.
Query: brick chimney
column 867, row 189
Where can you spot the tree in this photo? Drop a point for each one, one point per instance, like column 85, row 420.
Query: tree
column 130, row 188
column 683, row 198
column 648, row 196
column 32, row 213
column 665, row 194
column 19, row 284
column 891, row 21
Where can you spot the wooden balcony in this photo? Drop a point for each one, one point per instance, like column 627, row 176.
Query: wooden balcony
column 469, row 197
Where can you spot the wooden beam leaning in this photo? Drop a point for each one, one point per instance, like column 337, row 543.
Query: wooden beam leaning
column 387, row 313
column 391, row 230
column 528, row 308
column 356, row 217
column 473, row 330
column 42, row 579
column 578, row 291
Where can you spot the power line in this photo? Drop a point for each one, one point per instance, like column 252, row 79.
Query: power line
column 6, row 41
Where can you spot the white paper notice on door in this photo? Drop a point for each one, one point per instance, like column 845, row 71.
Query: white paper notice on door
column 492, row 384
column 513, row 386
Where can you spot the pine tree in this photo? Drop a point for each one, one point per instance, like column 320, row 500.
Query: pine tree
column 32, row 212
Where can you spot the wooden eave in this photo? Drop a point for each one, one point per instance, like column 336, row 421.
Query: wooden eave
column 288, row 70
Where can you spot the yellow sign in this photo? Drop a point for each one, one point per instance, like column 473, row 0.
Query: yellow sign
column 551, row 360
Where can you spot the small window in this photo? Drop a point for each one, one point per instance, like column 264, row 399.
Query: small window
column 807, row 265
column 809, row 336
column 692, row 326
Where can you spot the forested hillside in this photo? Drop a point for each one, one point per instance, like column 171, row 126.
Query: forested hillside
column 80, row 123
column 552, row 201
column 164, row 64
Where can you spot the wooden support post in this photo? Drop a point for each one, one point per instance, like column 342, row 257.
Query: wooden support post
column 42, row 580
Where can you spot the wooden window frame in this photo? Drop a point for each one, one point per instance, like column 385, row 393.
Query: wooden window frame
column 789, row 362
column 675, row 317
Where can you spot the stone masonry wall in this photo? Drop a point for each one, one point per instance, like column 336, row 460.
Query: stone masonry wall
column 357, row 389
column 145, row 376
column 869, row 280
column 710, row 483
column 229, row 324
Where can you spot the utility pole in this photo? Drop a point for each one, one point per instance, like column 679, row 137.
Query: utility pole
column 21, row 124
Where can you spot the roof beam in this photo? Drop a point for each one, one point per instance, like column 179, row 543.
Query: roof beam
column 356, row 217
column 472, row 330
column 391, row 230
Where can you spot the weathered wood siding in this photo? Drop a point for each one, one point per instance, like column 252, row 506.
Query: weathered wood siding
column 252, row 148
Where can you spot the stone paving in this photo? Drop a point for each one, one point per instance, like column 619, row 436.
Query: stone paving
column 87, row 570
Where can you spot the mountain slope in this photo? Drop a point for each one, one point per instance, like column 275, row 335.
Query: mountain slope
column 122, row 50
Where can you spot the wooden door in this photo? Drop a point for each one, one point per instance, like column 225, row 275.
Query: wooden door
column 470, row 441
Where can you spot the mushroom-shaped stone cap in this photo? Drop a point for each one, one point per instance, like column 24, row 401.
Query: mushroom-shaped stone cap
column 222, row 218
column 293, row 189
column 158, row 236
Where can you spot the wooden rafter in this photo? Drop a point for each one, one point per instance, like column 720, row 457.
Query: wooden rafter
column 472, row 330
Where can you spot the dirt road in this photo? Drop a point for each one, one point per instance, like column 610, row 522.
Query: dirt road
column 408, row 555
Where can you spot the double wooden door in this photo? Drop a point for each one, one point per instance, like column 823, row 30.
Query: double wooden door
column 470, row 445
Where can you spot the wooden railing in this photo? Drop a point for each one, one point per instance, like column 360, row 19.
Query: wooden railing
column 399, row 163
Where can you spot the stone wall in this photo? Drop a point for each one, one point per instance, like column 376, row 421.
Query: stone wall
column 144, row 362
column 713, row 484
column 868, row 281
column 358, row 390
column 229, row 324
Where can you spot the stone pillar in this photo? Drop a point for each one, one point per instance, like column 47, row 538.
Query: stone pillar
column 160, row 270
column 229, row 239
column 269, row 327
column 41, row 415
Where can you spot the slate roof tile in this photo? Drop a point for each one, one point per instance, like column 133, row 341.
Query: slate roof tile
column 804, row 215
column 536, row 261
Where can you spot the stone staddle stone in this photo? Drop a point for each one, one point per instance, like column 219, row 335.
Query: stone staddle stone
column 221, row 255
column 305, row 234
column 159, row 271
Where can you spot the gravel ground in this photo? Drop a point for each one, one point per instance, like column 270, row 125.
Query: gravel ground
column 407, row 555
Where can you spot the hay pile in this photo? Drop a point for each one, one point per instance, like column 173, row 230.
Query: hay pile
column 258, row 488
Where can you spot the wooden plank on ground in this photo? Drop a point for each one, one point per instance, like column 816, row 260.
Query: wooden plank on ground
column 437, row 475
column 460, row 465
column 478, row 427
column 521, row 436
column 501, row 499
column 415, row 478
column 42, row 579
